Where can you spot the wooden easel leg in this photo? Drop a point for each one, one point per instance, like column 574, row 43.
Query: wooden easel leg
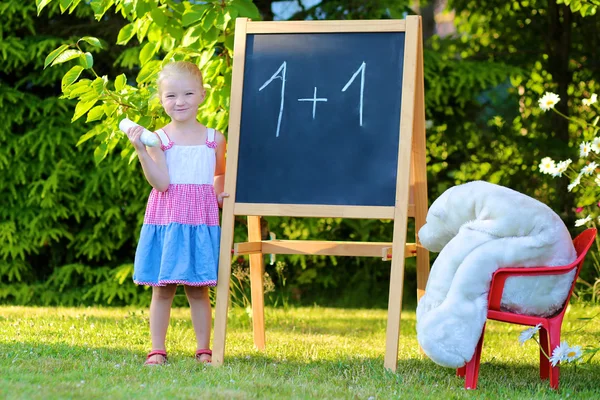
column 256, row 284
column 419, row 169
column 392, row 335
column 223, row 286
column 413, row 74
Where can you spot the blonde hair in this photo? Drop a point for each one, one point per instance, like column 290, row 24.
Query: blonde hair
column 179, row 67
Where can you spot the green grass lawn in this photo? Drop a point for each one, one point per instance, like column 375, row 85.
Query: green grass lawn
column 313, row 353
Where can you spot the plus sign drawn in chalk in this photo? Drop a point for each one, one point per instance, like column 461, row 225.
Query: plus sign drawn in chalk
column 281, row 74
column 314, row 100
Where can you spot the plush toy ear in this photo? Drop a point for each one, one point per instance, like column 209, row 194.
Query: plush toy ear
column 434, row 235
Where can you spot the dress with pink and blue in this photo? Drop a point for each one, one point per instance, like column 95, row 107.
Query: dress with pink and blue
column 179, row 241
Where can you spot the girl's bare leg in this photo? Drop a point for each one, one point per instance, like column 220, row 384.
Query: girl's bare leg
column 160, row 313
column 201, row 317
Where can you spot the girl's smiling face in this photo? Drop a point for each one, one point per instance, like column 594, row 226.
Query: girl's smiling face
column 181, row 95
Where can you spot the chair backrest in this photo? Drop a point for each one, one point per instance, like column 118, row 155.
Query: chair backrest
column 582, row 244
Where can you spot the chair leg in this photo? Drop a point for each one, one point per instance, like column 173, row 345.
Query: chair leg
column 472, row 367
column 460, row 372
column 554, row 333
column 544, row 350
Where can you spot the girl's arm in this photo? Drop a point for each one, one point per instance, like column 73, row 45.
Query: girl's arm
column 219, row 181
column 152, row 159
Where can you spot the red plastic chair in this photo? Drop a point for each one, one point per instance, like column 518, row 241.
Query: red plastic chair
column 549, row 333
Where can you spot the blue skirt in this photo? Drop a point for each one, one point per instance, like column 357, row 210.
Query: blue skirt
column 177, row 254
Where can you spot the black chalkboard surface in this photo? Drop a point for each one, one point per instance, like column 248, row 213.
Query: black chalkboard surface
column 320, row 118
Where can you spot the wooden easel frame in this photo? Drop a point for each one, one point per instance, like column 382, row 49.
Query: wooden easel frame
column 411, row 157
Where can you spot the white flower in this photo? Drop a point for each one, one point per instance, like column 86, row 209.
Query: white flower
column 548, row 101
column 596, row 145
column 547, row 165
column 575, row 182
column 584, row 149
column 591, row 100
column 583, row 221
column 528, row 334
column 574, row 353
column 564, row 352
column 559, row 353
column 589, row 169
column 561, row 167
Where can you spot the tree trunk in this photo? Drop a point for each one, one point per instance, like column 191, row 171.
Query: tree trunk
column 427, row 13
column 558, row 48
column 264, row 7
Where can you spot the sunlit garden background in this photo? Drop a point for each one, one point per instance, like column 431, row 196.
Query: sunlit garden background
column 511, row 96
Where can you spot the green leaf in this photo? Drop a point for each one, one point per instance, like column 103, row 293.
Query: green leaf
column 65, row 56
column 149, row 70
column 54, row 53
column 175, row 31
column 100, row 153
column 81, row 108
column 78, row 89
column 209, row 19
column 222, row 20
column 213, row 69
column 142, row 7
column 100, row 7
column 247, row 8
column 120, row 82
column 141, row 28
column 145, row 121
column 71, row 76
column 210, row 37
column 168, row 43
column 155, row 33
column 87, row 60
column 148, row 52
column 192, row 36
column 193, row 15
column 158, row 17
column 92, row 40
column 125, row 34
column 109, row 109
column 205, row 58
column 41, row 4
column 64, row 4
column 229, row 43
column 87, row 136
column 74, row 5
column 95, row 114
column 233, row 12
column 98, row 85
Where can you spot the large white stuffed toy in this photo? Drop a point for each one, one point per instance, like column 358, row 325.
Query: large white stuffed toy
column 479, row 227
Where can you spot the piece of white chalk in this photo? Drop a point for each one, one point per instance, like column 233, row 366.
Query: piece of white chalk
column 148, row 138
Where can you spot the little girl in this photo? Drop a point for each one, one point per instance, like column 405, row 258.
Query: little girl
column 179, row 241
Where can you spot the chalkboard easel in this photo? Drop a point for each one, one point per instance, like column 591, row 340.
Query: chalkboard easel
column 327, row 119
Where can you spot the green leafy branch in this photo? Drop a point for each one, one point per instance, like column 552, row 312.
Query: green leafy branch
column 166, row 30
column 585, row 7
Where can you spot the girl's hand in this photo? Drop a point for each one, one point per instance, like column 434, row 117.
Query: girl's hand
column 134, row 135
column 220, row 198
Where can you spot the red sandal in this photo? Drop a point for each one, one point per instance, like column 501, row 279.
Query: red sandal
column 156, row 353
column 201, row 352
